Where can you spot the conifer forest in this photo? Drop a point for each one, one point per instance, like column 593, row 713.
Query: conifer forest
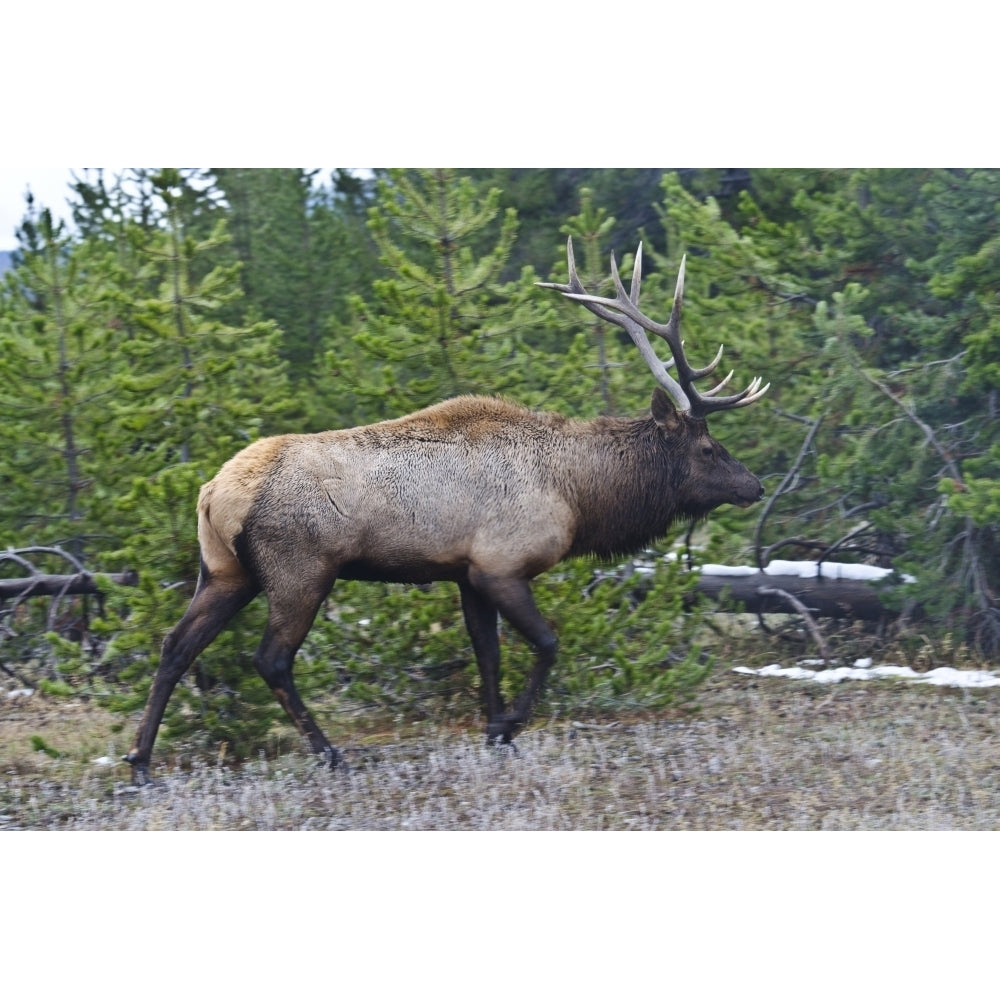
column 180, row 314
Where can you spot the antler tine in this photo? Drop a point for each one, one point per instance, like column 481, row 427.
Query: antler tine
column 575, row 289
column 633, row 295
column 707, row 402
column 710, row 367
column 716, row 389
column 749, row 395
column 636, row 274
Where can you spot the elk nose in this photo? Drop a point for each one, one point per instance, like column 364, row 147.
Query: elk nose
column 760, row 493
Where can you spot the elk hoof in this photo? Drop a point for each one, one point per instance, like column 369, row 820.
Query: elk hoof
column 502, row 746
column 329, row 758
column 502, row 729
column 140, row 770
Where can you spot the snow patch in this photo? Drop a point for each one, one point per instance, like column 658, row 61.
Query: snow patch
column 717, row 569
column 862, row 670
column 806, row 569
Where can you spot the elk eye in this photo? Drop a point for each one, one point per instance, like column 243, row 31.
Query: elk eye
column 707, row 451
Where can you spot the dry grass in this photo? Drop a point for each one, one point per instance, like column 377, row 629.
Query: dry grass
column 760, row 754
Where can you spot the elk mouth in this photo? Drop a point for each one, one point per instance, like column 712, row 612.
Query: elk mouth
column 749, row 501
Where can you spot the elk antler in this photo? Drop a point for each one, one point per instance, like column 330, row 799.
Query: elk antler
column 623, row 310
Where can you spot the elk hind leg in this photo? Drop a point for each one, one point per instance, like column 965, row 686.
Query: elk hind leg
column 215, row 602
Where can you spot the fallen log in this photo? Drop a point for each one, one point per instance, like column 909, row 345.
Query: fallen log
column 824, row 597
column 52, row 585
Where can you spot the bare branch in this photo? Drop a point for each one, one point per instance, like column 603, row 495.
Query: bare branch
column 789, row 476
column 912, row 416
column 806, row 615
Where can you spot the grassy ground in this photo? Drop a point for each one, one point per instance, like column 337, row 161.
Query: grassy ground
column 758, row 754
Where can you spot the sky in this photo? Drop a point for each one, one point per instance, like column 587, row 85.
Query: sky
column 49, row 185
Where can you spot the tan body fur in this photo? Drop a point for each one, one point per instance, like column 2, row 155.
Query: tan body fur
column 411, row 499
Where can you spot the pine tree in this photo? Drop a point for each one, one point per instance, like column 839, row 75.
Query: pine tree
column 304, row 250
column 59, row 352
column 425, row 335
column 196, row 388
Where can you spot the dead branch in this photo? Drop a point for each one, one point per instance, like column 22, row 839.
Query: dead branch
column 789, row 477
column 806, row 616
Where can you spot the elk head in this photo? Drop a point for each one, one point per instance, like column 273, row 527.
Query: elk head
column 707, row 474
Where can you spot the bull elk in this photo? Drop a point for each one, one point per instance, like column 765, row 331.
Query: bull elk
column 475, row 490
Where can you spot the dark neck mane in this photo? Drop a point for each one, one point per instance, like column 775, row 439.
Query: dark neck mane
column 625, row 492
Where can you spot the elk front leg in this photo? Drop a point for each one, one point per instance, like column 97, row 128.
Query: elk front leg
column 513, row 598
column 288, row 624
column 480, row 615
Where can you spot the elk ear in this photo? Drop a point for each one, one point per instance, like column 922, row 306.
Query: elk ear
column 664, row 411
